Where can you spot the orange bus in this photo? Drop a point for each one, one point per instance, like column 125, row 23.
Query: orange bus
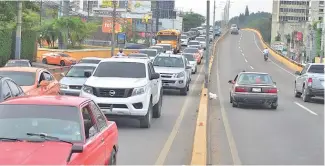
column 170, row 36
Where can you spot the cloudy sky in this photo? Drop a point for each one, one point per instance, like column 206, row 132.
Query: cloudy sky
column 237, row 6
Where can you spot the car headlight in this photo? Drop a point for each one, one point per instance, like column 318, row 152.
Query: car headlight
column 62, row 86
column 180, row 75
column 139, row 91
column 88, row 89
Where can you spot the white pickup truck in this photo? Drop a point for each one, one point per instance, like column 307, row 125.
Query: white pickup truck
column 310, row 81
column 126, row 87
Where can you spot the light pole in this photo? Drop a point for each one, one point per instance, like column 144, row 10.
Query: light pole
column 18, row 30
column 207, row 59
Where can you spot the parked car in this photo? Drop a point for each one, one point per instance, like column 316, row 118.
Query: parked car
column 174, row 72
column 126, row 87
column 152, row 53
column 192, row 60
column 253, row 88
column 34, row 81
column 18, row 63
column 310, row 81
column 72, row 82
column 9, row 89
column 74, row 128
column 57, row 58
column 93, row 60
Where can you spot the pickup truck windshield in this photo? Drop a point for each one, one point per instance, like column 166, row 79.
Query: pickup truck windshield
column 121, row 70
column 317, row 69
column 169, row 62
column 62, row 122
column 167, row 37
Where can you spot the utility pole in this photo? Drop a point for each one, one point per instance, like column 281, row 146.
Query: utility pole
column 64, row 11
column 207, row 57
column 18, row 30
column 214, row 17
column 157, row 16
column 87, row 10
column 113, row 27
column 40, row 12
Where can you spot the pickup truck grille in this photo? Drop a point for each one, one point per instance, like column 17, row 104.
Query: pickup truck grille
column 78, row 87
column 113, row 93
column 166, row 75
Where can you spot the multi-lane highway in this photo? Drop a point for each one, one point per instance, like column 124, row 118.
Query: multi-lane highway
column 292, row 134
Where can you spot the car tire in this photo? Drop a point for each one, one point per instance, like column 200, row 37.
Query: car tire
column 62, row 63
column 112, row 158
column 188, row 87
column 44, row 61
column 230, row 98
column 234, row 104
column 274, row 107
column 157, row 107
column 183, row 91
column 297, row 94
column 145, row 122
column 305, row 97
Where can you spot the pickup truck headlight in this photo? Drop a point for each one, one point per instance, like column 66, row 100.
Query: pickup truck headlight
column 63, row 86
column 88, row 89
column 139, row 91
column 180, row 75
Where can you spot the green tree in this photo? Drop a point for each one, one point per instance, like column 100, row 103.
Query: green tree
column 192, row 20
column 246, row 11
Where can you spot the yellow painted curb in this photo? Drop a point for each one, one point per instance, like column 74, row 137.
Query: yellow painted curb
column 199, row 153
column 277, row 56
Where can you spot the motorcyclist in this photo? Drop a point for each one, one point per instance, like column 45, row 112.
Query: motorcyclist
column 266, row 52
column 120, row 53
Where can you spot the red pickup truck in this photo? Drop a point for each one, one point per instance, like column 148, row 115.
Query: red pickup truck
column 56, row 130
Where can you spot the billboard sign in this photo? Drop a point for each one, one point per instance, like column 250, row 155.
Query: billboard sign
column 139, row 6
column 120, row 24
column 121, row 38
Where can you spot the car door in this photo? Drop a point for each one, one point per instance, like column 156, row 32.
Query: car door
column 94, row 146
column 301, row 78
column 15, row 89
column 154, row 83
column 50, row 58
column 6, row 93
column 53, row 88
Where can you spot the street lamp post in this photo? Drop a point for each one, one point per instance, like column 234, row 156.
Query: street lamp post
column 206, row 80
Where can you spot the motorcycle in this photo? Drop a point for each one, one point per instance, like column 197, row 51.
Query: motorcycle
column 266, row 57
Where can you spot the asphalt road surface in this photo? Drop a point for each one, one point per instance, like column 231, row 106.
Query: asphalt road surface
column 292, row 134
column 169, row 140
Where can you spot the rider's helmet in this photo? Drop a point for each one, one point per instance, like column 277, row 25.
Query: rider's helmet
column 121, row 50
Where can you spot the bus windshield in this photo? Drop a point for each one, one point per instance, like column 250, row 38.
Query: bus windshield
column 167, row 37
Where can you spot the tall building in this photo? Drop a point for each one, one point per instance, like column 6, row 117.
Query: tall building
column 166, row 9
column 316, row 10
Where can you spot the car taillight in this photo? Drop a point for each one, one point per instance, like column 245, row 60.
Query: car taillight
column 310, row 81
column 272, row 90
column 240, row 89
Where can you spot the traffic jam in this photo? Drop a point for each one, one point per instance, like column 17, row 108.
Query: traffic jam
column 69, row 113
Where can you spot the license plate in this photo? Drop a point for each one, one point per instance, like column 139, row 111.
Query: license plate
column 256, row 90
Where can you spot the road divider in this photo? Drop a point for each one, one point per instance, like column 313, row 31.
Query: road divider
column 282, row 59
column 199, row 152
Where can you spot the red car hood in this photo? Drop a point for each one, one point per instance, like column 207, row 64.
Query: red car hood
column 34, row 153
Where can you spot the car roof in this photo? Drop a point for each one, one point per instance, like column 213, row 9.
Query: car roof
column 18, row 60
column 148, row 49
column 93, row 58
column 47, row 100
column 86, row 64
column 245, row 72
column 170, row 55
column 136, row 60
column 25, row 69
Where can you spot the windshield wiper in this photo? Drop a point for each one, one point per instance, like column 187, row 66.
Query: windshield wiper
column 9, row 139
column 48, row 137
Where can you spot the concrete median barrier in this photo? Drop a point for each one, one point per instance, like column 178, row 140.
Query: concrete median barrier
column 284, row 60
column 199, row 152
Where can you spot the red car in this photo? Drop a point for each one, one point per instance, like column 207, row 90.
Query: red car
column 55, row 130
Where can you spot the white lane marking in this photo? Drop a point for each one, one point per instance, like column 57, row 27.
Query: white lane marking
column 241, row 51
column 252, row 67
column 270, row 59
column 239, row 47
column 242, row 54
column 305, row 108
column 230, row 137
column 246, row 60
column 168, row 144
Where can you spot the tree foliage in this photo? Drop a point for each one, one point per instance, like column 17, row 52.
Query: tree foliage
column 192, row 20
column 261, row 21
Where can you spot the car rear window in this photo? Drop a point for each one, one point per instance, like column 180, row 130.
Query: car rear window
column 148, row 52
column 191, row 50
column 317, row 69
column 20, row 77
column 166, row 47
column 93, row 61
column 121, row 70
column 169, row 62
column 189, row 57
column 254, row 78
column 79, row 71
column 58, row 121
column 194, row 43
